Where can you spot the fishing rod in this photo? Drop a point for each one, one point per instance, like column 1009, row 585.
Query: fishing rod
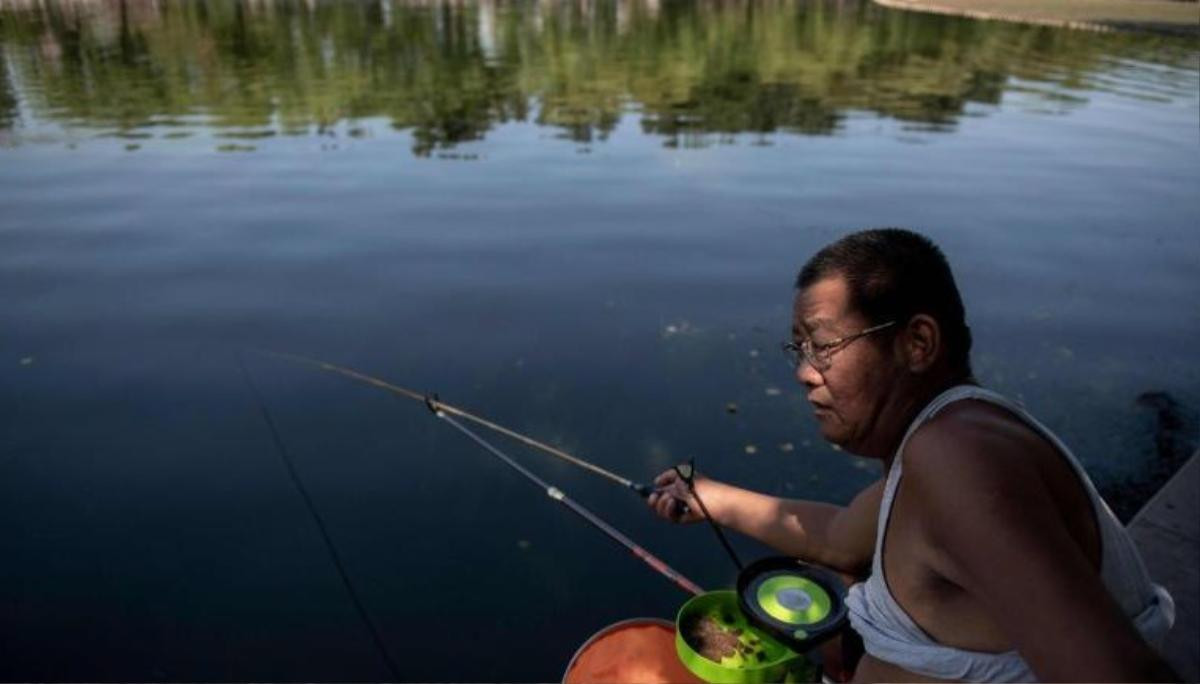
column 557, row 494
column 444, row 411
column 435, row 404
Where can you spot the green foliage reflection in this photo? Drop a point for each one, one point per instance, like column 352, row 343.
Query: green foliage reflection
column 695, row 70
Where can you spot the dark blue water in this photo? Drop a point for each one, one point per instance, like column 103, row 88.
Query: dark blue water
column 580, row 220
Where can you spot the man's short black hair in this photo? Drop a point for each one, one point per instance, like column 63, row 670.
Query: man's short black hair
column 895, row 274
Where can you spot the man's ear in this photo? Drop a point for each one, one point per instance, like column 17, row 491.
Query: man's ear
column 921, row 343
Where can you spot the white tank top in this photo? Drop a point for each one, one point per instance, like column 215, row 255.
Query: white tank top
column 890, row 635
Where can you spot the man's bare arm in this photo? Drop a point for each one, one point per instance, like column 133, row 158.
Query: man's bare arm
column 838, row 537
column 996, row 532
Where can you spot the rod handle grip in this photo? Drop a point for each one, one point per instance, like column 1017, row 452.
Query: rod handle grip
column 645, row 490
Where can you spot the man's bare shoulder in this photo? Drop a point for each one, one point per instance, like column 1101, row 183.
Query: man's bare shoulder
column 975, row 441
column 982, row 466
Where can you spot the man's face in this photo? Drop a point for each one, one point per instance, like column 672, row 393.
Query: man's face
column 849, row 396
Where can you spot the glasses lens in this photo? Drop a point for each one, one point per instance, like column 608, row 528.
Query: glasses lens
column 818, row 356
column 791, row 353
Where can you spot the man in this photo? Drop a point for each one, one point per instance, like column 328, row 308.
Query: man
column 987, row 553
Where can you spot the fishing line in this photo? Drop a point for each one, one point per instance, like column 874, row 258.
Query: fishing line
column 312, row 509
column 687, row 472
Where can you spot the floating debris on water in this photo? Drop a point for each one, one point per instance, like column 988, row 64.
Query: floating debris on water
column 27, row 361
column 658, row 453
column 524, row 544
column 835, row 447
column 680, row 328
column 751, row 449
column 772, row 391
column 754, row 353
column 1066, row 353
column 787, row 447
column 731, row 407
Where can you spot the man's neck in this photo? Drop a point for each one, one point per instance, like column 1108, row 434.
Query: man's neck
column 907, row 404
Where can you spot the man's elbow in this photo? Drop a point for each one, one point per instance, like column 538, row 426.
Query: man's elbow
column 849, row 566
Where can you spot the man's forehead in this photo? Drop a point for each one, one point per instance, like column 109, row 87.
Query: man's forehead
column 824, row 304
column 800, row 323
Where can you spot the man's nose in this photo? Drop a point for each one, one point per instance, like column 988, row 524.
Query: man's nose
column 807, row 375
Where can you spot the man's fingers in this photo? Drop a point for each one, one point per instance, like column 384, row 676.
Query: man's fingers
column 665, row 504
column 678, row 509
column 665, row 501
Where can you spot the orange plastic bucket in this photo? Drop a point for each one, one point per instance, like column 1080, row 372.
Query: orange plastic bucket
column 637, row 651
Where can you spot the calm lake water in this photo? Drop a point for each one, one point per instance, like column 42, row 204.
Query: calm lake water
column 581, row 219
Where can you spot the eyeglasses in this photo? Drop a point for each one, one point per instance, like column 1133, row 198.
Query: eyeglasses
column 820, row 356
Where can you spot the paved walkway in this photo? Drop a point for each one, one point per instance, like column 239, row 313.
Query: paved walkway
column 1167, row 530
column 1159, row 16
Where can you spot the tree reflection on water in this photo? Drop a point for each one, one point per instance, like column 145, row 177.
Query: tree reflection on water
column 694, row 71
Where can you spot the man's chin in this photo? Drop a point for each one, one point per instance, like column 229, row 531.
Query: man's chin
column 828, row 426
column 831, row 434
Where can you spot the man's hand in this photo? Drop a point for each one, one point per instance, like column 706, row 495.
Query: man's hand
column 671, row 499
